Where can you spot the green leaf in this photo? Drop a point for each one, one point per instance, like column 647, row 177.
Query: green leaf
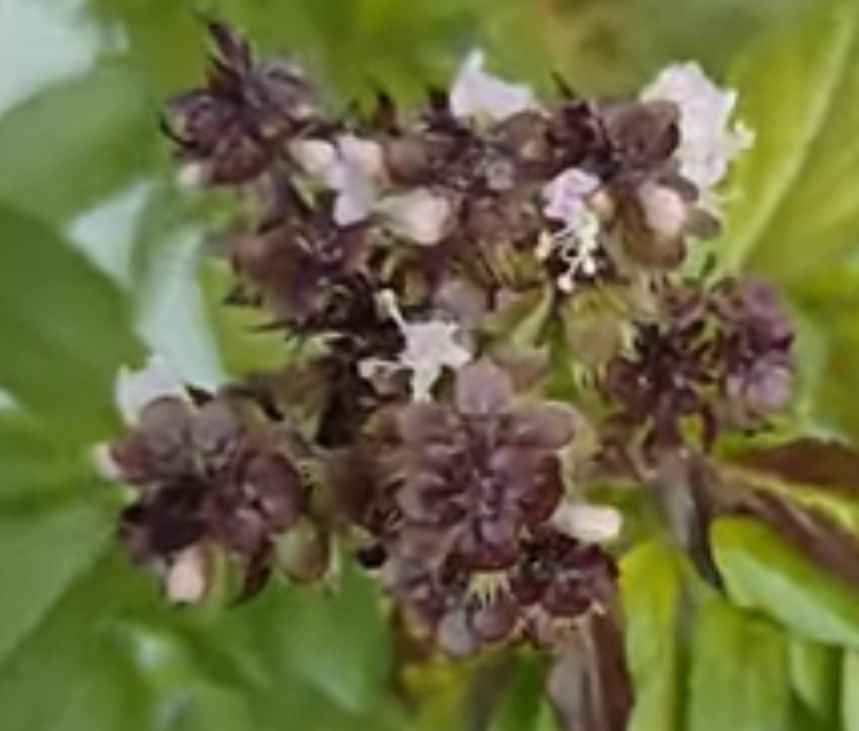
column 76, row 142
column 42, row 555
column 815, row 672
column 244, row 346
column 761, row 571
column 739, row 679
column 798, row 90
column 651, row 583
column 829, row 298
column 850, row 692
column 66, row 329
column 34, row 465
column 54, row 526
column 815, row 474
column 523, row 703
column 111, row 642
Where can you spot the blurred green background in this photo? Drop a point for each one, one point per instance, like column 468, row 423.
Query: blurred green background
column 100, row 261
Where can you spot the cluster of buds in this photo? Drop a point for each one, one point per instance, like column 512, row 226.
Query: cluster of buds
column 438, row 267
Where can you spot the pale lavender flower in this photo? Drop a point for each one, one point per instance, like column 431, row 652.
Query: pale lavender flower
column 480, row 95
column 353, row 167
column 708, row 142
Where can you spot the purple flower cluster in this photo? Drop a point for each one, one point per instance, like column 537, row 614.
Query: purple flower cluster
column 442, row 271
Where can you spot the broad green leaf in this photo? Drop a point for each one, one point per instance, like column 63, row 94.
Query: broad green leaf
column 292, row 654
column 76, row 142
column 34, row 465
column 763, row 572
column 650, row 580
column 815, row 672
column 55, row 522
column 829, row 299
column 792, row 201
column 815, row 474
column 41, row 555
column 850, row 692
column 352, row 675
column 56, row 665
column 739, row 679
column 523, row 702
column 66, row 329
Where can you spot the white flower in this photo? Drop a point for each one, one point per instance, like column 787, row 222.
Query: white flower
column 477, row 94
column 430, row 347
column 707, row 143
column 587, row 522
column 136, row 389
column 353, row 168
column 418, row 215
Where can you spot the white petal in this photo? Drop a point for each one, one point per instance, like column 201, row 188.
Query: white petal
column 104, row 463
column 193, row 175
column 366, row 156
column 566, row 195
column 430, row 347
column 356, row 196
column 317, row 158
column 665, row 211
column 136, row 389
column 477, row 94
column 418, row 215
column 187, row 578
column 587, row 522
column 707, row 143
column 359, row 165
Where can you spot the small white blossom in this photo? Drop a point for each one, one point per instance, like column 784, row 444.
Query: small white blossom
column 587, row 522
column 476, row 93
column 187, row 578
column 353, row 168
column 430, row 347
column 136, row 389
column 707, row 143
column 418, row 215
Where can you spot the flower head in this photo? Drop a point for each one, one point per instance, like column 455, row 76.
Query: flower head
column 205, row 474
column 483, row 469
column 234, row 125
